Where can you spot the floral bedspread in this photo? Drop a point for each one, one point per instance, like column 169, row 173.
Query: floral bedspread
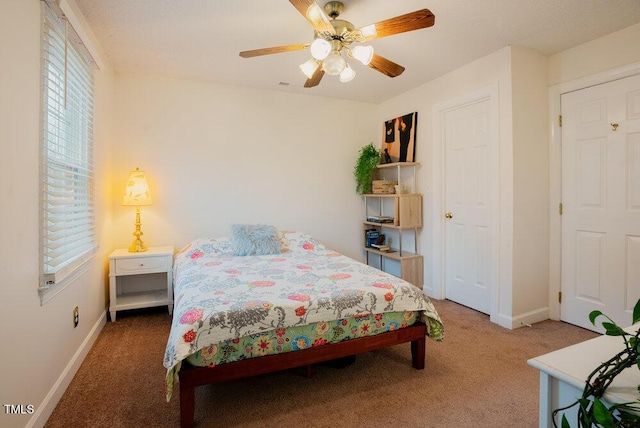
column 282, row 340
column 221, row 297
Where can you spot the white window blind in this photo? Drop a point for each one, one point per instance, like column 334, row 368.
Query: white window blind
column 68, row 238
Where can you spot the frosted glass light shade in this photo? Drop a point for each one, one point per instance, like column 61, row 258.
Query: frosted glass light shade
column 347, row 74
column 369, row 30
column 334, row 64
column 137, row 190
column 364, row 54
column 320, row 49
column 309, row 67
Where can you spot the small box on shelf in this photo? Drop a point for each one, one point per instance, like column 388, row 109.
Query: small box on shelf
column 383, row 186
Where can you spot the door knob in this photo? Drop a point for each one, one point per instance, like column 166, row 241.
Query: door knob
column 448, row 215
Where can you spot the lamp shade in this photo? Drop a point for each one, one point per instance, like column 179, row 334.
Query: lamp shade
column 347, row 74
column 368, row 31
column 364, row 54
column 137, row 191
column 320, row 49
column 334, row 63
column 309, row 67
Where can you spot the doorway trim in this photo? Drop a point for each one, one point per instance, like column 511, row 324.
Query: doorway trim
column 490, row 93
column 555, row 170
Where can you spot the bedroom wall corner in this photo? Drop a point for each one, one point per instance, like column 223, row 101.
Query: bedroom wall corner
column 530, row 183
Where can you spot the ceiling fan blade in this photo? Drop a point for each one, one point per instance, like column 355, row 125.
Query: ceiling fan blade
column 273, row 50
column 400, row 24
column 315, row 79
column 385, row 66
column 314, row 14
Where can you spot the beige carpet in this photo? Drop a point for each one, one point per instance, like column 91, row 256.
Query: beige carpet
column 477, row 377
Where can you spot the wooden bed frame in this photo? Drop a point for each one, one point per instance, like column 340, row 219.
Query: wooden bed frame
column 191, row 376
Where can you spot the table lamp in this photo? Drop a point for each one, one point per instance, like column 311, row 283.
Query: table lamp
column 137, row 194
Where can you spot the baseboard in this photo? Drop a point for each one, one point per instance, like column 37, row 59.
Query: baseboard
column 45, row 409
column 524, row 320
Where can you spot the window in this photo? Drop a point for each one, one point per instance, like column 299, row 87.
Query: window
column 68, row 238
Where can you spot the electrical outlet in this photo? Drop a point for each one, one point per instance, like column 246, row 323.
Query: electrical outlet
column 76, row 317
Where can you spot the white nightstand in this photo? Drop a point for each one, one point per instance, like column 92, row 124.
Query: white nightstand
column 123, row 263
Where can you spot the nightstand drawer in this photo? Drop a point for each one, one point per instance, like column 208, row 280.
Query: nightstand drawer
column 135, row 265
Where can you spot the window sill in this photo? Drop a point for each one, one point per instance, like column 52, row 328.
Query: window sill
column 48, row 293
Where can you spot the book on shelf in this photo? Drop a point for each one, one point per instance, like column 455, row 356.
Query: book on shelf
column 381, row 247
column 371, row 237
column 380, row 219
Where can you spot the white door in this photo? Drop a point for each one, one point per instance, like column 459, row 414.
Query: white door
column 601, row 202
column 468, row 139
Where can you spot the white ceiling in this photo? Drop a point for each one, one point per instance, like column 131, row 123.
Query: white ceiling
column 201, row 39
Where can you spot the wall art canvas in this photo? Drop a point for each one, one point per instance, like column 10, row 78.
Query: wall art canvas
column 399, row 138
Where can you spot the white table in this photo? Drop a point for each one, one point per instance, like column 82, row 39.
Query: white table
column 563, row 375
column 124, row 263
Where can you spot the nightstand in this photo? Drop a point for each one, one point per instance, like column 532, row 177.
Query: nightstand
column 123, row 263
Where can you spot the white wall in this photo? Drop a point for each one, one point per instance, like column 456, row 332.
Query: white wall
column 611, row 51
column 40, row 347
column 217, row 155
column 530, row 186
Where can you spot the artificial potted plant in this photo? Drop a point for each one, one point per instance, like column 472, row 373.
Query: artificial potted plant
column 592, row 410
column 365, row 165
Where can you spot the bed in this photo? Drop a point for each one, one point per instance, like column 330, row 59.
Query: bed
column 264, row 300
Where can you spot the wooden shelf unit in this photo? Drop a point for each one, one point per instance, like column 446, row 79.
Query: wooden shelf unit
column 407, row 216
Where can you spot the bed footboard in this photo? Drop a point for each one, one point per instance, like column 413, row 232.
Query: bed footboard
column 190, row 376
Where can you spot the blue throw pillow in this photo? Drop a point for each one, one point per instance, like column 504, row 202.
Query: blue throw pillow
column 255, row 240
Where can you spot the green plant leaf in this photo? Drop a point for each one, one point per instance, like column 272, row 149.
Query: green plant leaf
column 584, row 403
column 593, row 412
column 601, row 414
column 613, row 329
column 593, row 315
column 365, row 165
column 636, row 312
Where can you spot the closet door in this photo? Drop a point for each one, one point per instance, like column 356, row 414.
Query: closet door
column 601, row 201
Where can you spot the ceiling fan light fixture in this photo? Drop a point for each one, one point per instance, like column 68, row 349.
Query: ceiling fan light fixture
column 320, row 49
column 332, row 36
column 368, row 31
column 347, row 74
column 334, row 63
column 309, row 67
column 364, row 54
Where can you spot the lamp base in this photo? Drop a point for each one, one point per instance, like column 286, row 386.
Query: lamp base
column 137, row 246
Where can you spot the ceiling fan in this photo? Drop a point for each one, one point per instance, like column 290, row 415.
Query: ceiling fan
column 334, row 36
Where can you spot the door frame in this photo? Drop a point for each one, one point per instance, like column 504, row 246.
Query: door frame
column 489, row 93
column 555, row 170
